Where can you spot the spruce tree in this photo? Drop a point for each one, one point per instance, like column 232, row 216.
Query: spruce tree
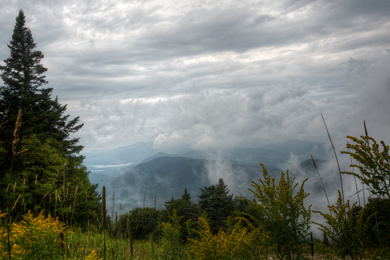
column 186, row 195
column 44, row 124
column 23, row 77
column 23, row 71
column 217, row 202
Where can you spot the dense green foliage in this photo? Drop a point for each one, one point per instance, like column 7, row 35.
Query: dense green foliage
column 216, row 201
column 376, row 216
column 143, row 222
column 183, row 206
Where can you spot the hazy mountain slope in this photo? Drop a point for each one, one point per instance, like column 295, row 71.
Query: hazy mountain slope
column 121, row 155
column 300, row 148
column 164, row 175
column 157, row 155
column 270, row 158
column 168, row 176
column 271, row 155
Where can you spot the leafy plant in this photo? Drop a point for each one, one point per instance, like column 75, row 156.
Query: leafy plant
column 171, row 233
column 374, row 164
column 209, row 246
column 238, row 242
column 285, row 214
column 36, row 238
column 347, row 232
column 256, row 244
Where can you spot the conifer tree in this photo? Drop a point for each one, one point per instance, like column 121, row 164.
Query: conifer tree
column 186, row 195
column 23, row 71
column 44, row 124
column 23, row 78
column 217, row 202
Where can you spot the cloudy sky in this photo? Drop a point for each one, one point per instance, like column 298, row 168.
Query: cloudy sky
column 213, row 73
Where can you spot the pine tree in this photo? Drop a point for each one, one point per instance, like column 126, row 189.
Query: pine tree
column 186, row 195
column 44, row 124
column 217, row 202
column 23, row 77
column 23, row 71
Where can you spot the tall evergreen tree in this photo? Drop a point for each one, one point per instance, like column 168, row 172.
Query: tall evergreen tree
column 217, row 202
column 23, row 77
column 45, row 130
column 23, row 71
column 186, row 195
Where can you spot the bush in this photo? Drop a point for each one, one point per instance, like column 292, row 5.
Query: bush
column 36, row 238
column 285, row 214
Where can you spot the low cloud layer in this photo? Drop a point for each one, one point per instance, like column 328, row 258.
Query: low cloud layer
column 248, row 117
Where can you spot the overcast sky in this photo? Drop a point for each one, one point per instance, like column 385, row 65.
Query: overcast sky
column 213, row 73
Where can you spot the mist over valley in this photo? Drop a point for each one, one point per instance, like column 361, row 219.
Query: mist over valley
column 139, row 172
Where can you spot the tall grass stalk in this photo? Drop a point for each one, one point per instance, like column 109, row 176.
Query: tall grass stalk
column 104, row 218
column 366, row 132
column 323, row 186
column 103, row 206
column 55, row 205
column 354, row 177
column 104, row 232
column 44, row 196
column 120, row 212
column 74, row 201
column 311, row 245
column 146, row 187
column 9, row 197
column 338, row 164
column 113, row 206
column 130, row 235
column 35, row 194
column 13, row 192
column 364, row 194
column 65, row 185
column 16, row 202
column 23, row 195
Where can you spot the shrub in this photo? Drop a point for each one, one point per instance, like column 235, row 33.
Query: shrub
column 347, row 232
column 285, row 214
column 237, row 243
column 34, row 237
column 171, row 233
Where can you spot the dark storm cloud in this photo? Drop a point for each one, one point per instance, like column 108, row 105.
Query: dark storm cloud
column 209, row 73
